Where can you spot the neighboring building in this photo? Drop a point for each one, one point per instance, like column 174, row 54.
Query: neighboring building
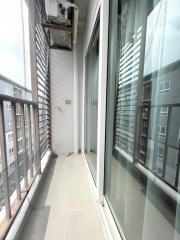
column 13, row 89
column 160, row 123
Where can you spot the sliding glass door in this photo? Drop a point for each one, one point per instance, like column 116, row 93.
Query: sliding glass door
column 142, row 155
column 92, row 72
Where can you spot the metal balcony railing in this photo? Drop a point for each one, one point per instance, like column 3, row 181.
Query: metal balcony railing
column 16, row 176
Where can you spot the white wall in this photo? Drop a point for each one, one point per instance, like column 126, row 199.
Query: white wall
column 62, row 89
column 65, row 86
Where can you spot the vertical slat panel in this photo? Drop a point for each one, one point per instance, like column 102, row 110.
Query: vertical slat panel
column 24, row 147
column 42, row 56
column 4, row 163
column 36, row 139
column 14, row 127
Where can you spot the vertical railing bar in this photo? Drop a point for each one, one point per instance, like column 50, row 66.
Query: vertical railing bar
column 29, row 140
column 24, row 147
column 34, row 139
column 37, row 139
column 166, row 142
column 4, row 163
column 16, row 160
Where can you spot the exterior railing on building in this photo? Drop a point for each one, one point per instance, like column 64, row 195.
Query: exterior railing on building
column 17, row 177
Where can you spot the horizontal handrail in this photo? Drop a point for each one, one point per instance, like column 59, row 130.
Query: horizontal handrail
column 17, row 100
column 7, row 80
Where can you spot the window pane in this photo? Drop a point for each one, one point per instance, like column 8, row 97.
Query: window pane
column 92, row 70
column 142, row 155
column 14, row 49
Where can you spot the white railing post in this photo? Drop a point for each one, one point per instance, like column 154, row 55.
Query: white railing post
column 16, row 157
column 24, row 147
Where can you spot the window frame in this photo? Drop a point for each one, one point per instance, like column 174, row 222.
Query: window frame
column 164, row 89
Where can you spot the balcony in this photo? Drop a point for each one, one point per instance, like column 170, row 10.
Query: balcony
column 89, row 120
column 39, row 186
column 57, row 209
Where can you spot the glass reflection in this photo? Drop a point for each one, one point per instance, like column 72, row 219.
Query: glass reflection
column 143, row 118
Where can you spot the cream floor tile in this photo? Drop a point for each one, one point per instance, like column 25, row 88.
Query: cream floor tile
column 83, row 225
column 67, row 180
column 76, row 225
column 73, row 212
column 69, row 200
column 56, row 227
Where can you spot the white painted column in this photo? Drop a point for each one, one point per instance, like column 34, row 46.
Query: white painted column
column 76, row 98
column 103, row 48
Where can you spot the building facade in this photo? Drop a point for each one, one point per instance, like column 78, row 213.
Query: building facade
column 8, row 87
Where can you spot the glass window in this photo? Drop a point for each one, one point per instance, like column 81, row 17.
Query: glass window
column 164, row 86
column 11, row 151
column 15, row 48
column 161, row 151
column 164, row 111
column 142, row 155
column 10, row 137
column 8, row 106
column 9, row 122
column 162, row 131
column 92, row 71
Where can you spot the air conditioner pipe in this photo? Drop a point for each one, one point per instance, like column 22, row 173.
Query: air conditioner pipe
column 76, row 17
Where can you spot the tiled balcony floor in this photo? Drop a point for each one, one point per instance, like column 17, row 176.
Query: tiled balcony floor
column 64, row 207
